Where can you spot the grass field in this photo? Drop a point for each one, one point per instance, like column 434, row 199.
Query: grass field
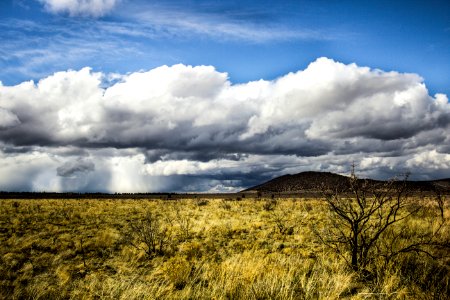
column 206, row 249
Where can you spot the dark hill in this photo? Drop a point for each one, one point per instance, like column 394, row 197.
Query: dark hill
column 302, row 182
column 311, row 182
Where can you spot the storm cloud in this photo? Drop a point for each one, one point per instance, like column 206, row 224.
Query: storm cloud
column 189, row 128
column 69, row 169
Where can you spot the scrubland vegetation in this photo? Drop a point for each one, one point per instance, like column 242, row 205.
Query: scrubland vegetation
column 217, row 249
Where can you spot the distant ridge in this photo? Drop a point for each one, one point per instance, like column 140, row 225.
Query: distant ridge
column 301, row 182
column 311, row 181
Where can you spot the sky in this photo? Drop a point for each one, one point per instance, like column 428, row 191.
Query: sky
column 218, row 96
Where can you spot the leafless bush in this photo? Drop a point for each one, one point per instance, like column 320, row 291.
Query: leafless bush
column 281, row 220
column 149, row 234
column 360, row 223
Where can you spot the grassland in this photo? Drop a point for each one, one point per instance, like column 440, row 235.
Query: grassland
column 206, row 249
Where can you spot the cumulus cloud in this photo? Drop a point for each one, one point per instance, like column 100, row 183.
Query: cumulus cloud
column 186, row 128
column 94, row 8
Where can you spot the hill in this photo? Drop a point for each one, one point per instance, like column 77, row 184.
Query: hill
column 312, row 182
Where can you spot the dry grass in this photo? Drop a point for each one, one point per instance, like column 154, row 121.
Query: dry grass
column 215, row 249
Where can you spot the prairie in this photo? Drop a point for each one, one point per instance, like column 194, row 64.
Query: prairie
column 209, row 249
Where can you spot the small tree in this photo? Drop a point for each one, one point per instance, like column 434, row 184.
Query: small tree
column 360, row 215
column 364, row 212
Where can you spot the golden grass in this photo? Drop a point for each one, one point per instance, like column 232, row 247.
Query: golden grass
column 81, row 249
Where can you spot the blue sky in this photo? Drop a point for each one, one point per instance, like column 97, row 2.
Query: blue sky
column 274, row 37
column 217, row 96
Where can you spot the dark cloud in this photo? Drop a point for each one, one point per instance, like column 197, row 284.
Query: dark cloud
column 71, row 168
column 206, row 155
column 7, row 149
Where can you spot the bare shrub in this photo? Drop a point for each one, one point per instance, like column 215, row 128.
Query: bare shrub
column 361, row 222
column 281, row 219
column 149, row 234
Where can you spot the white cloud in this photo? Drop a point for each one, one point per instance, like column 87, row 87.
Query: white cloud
column 337, row 100
column 191, row 125
column 430, row 160
column 197, row 106
column 94, row 8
